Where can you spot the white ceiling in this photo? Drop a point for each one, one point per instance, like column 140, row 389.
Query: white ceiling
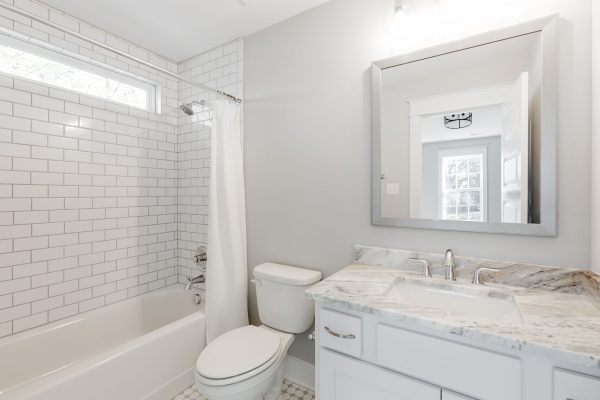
column 179, row 29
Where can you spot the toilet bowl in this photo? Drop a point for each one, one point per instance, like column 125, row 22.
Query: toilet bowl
column 247, row 363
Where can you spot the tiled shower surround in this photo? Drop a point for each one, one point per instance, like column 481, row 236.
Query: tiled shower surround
column 220, row 68
column 98, row 202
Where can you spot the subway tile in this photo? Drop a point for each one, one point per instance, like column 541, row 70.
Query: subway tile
column 53, row 229
column 15, row 177
column 63, row 312
column 15, row 285
column 15, row 96
column 91, row 304
column 47, row 128
column 31, row 243
column 28, row 296
column 45, row 153
column 47, row 304
column 15, row 231
column 29, row 322
column 24, row 111
column 48, row 204
column 49, row 178
column 20, row 311
column 30, row 191
column 64, row 215
column 36, row 139
column 78, row 273
column 30, row 217
column 15, row 204
column 28, row 164
column 21, row 271
column 62, row 264
column 47, row 279
column 76, row 297
column 50, row 253
column 47, row 103
column 62, row 288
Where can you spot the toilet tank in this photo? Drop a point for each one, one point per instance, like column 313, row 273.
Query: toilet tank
column 281, row 298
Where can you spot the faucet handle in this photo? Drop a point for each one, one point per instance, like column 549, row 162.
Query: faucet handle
column 477, row 274
column 426, row 266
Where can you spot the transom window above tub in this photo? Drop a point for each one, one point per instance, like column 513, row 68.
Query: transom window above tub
column 24, row 60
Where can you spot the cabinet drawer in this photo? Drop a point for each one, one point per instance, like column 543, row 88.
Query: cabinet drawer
column 464, row 369
column 341, row 332
column 573, row 386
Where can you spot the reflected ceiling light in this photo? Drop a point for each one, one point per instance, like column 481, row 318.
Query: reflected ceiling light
column 400, row 26
column 452, row 11
column 458, row 120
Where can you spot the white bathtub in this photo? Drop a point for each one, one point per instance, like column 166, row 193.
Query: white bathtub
column 142, row 348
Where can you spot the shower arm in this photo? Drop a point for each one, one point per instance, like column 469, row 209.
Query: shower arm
column 164, row 71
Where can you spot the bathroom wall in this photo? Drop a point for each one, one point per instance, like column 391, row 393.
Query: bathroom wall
column 308, row 137
column 87, row 187
column 220, row 68
column 596, row 137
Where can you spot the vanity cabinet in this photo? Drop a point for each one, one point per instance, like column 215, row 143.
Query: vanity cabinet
column 572, row 386
column 365, row 356
column 345, row 378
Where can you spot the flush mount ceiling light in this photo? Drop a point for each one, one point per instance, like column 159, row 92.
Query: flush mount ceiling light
column 400, row 25
column 452, row 11
column 458, row 120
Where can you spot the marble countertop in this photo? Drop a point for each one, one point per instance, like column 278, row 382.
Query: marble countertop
column 561, row 324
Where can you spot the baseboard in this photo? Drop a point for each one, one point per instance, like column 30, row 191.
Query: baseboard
column 300, row 372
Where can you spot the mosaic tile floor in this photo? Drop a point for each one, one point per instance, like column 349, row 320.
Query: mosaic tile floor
column 291, row 391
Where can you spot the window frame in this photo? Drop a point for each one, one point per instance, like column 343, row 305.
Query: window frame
column 74, row 60
column 465, row 152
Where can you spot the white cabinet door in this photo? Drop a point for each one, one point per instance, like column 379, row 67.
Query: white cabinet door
column 573, row 386
column 447, row 395
column 344, row 378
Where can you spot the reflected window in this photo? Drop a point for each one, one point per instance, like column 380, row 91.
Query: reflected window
column 463, row 186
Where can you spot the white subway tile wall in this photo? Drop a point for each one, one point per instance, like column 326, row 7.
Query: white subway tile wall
column 99, row 202
column 220, row 68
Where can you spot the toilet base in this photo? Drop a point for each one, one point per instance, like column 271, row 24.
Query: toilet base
column 261, row 387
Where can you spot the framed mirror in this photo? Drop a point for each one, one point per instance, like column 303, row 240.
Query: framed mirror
column 465, row 134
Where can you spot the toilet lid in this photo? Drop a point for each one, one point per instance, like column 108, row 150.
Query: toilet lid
column 237, row 352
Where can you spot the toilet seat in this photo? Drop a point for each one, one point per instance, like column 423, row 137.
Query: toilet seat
column 238, row 355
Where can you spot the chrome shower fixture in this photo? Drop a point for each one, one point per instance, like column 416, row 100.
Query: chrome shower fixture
column 188, row 108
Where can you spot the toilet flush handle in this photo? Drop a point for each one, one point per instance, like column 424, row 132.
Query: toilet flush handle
column 256, row 282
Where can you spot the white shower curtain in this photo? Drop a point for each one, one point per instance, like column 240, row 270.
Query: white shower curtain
column 226, row 275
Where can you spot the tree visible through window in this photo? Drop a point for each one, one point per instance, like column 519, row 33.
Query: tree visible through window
column 31, row 66
column 462, row 187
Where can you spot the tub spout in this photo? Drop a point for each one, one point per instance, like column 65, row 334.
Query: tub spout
column 192, row 281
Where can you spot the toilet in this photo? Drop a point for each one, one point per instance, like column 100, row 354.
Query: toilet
column 247, row 363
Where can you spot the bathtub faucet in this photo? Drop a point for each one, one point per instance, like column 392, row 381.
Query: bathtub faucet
column 192, row 281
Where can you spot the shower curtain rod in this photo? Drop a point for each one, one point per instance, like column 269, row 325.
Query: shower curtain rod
column 51, row 24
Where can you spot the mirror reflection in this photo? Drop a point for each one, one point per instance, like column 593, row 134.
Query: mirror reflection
column 460, row 135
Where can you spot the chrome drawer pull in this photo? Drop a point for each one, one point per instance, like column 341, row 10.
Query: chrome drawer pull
column 339, row 335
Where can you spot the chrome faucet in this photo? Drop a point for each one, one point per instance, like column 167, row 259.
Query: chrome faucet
column 192, row 281
column 426, row 266
column 450, row 266
column 477, row 275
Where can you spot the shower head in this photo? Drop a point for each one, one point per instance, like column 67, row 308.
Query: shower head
column 188, row 108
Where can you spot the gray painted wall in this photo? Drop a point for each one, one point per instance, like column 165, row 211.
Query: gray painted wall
column 308, row 141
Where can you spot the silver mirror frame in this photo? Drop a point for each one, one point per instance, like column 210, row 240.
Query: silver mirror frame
column 548, row 27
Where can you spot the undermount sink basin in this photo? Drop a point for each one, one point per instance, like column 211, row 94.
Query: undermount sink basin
column 474, row 302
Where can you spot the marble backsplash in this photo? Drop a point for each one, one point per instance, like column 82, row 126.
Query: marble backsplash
column 562, row 280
